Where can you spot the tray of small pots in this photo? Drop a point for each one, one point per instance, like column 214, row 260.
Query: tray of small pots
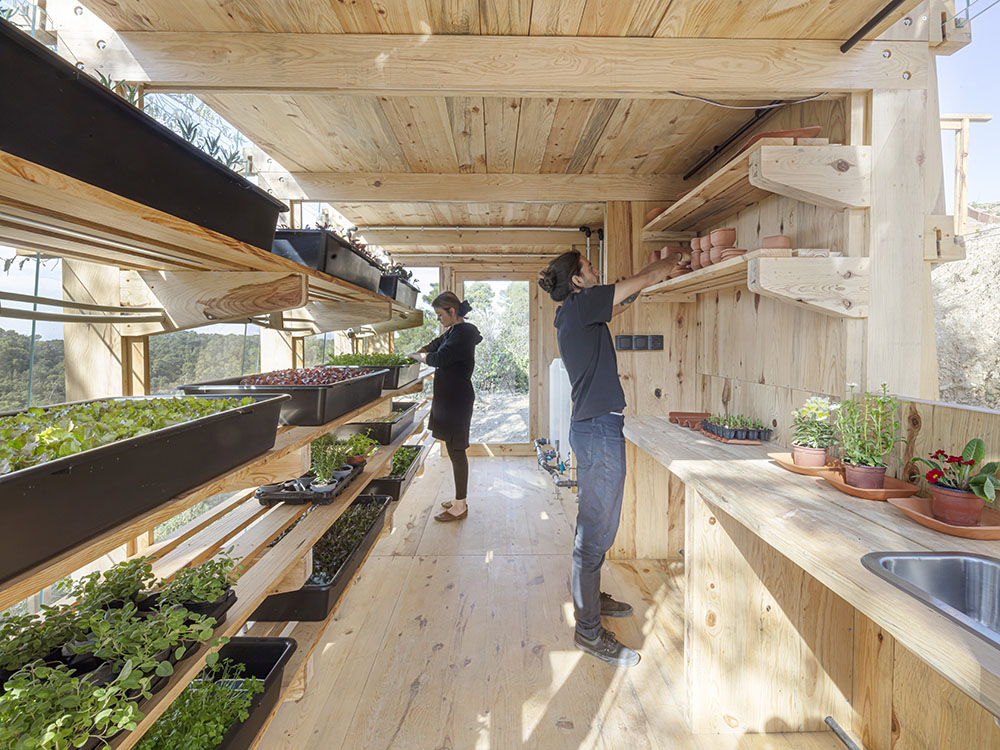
column 335, row 465
column 735, row 428
column 110, row 651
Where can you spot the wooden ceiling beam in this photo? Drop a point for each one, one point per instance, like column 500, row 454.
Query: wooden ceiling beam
column 333, row 187
column 409, row 65
column 402, row 236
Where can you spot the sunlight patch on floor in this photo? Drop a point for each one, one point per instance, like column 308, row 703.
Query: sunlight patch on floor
column 534, row 709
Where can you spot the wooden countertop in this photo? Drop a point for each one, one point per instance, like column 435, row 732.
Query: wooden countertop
column 826, row 532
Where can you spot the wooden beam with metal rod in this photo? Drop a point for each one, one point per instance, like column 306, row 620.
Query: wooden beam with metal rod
column 419, row 65
column 390, row 236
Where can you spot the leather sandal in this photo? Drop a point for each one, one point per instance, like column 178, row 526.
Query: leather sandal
column 447, row 517
column 447, row 504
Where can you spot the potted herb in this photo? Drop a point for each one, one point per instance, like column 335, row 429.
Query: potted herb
column 50, row 708
column 29, row 637
column 358, row 447
column 812, row 431
column 120, row 583
column 958, row 490
column 868, row 432
column 204, row 589
column 404, row 469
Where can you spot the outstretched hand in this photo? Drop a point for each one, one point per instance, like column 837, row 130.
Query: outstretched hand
column 658, row 270
column 418, row 356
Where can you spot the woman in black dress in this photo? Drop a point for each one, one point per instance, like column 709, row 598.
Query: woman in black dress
column 453, row 353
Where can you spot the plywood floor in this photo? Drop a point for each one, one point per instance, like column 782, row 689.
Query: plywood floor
column 460, row 637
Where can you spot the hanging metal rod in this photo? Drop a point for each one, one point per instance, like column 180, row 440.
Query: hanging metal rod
column 70, row 305
column 875, row 21
column 468, row 229
column 759, row 115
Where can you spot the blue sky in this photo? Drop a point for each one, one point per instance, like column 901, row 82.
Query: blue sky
column 968, row 82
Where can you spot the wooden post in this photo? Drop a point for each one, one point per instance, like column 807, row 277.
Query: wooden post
column 960, row 124
column 93, row 352
column 277, row 350
column 135, row 365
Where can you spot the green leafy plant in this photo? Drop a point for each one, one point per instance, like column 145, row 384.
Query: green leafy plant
column 202, row 715
column 27, row 637
column 402, row 459
column 49, row 708
column 205, row 582
column 188, row 129
column 328, row 456
column 369, row 360
column 146, row 642
column 359, row 445
column 812, row 424
column 959, row 472
column 334, row 547
column 119, row 583
column 867, row 427
column 36, row 435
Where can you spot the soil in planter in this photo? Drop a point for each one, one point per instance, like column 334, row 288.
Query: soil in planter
column 336, row 545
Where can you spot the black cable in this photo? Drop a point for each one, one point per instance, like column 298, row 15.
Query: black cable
column 875, row 21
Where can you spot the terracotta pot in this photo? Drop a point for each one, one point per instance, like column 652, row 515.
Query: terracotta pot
column 803, row 456
column 716, row 254
column 956, row 507
column 864, row 477
column 355, row 460
column 777, row 241
column 723, row 237
column 706, row 243
column 695, row 243
column 696, row 260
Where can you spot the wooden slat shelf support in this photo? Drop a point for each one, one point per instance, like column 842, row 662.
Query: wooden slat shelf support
column 834, row 286
column 833, row 176
column 941, row 244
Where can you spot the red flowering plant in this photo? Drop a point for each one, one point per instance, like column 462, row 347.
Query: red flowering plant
column 959, row 472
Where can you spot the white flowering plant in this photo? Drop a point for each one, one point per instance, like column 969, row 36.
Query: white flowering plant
column 812, row 424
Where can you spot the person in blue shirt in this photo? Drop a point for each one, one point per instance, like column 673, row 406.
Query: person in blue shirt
column 595, row 434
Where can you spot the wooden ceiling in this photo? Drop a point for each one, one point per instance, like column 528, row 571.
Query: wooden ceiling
column 365, row 133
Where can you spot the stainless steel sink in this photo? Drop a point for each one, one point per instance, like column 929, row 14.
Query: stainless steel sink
column 964, row 587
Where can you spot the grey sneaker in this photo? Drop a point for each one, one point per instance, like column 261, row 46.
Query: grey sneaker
column 611, row 608
column 607, row 648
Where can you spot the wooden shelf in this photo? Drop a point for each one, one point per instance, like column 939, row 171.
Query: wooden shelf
column 164, row 257
column 814, row 279
column 251, row 474
column 249, row 529
column 825, row 175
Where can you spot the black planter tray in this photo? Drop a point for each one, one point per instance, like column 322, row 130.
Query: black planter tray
column 301, row 491
column 397, row 375
column 329, row 253
column 398, row 289
column 216, row 609
column 395, row 487
column 73, row 499
column 314, row 602
column 55, row 115
column 309, row 405
column 383, row 432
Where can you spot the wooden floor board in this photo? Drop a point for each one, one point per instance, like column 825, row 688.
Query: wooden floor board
column 460, row 636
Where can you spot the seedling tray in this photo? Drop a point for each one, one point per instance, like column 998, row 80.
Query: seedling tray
column 301, row 491
column 326, row 252
column 399, row 289
column 383, row 432
column 55, row 115
column 49, row 509
column 309, row 405
column 397, row 375
column 315, row 602
column 264, row 658
column 706, row 433
column 396, row 487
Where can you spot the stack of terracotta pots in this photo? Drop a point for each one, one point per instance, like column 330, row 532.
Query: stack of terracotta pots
column 683, row 266
column 715, row 247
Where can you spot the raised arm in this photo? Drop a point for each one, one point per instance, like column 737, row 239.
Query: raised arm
column 627, row 290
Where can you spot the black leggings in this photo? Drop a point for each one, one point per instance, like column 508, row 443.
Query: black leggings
column 460, row 468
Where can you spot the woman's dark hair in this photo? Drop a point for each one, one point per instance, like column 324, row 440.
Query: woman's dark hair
column 557, row 278
column 450, row 301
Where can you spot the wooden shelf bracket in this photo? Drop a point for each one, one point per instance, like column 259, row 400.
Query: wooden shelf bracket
column 836, row 177
column 941, row 244
column 833, row 286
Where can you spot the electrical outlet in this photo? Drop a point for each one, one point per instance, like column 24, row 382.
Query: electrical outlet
column 623, row 343
column 640, row 342
column 656, row 342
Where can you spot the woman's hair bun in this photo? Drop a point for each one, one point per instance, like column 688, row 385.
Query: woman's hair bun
column 557, row 277
column 464, row 308
column 547, row 280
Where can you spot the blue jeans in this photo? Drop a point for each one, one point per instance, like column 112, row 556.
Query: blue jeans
column 599, row 446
